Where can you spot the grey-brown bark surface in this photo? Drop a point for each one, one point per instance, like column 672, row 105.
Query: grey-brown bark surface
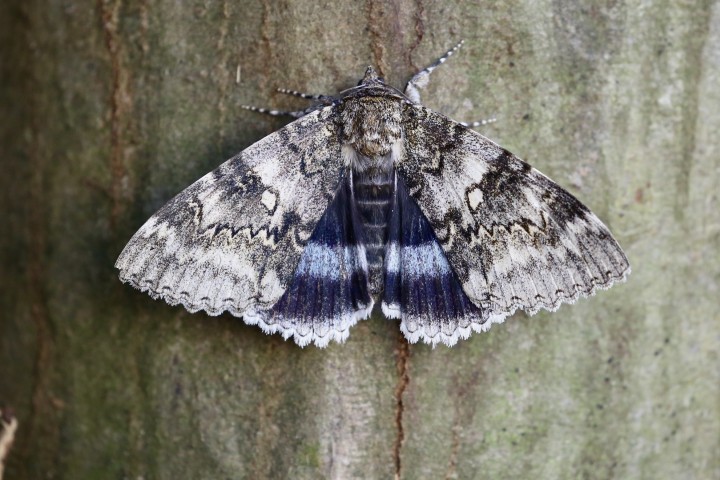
column 109, row 108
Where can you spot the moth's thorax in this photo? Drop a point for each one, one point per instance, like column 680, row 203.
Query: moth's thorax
column 372, row 125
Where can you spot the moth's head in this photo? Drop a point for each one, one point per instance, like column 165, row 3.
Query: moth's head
column 370, row 77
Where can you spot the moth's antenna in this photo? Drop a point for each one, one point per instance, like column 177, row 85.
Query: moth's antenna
column 295, row 93
column 322, row 99
column 275, row 113
column 421, row 79
column 479, row 123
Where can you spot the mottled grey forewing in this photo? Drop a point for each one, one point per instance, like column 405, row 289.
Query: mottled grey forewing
column 231, row 241
column 514, row 238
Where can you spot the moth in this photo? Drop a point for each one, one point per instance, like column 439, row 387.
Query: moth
column 368, row 196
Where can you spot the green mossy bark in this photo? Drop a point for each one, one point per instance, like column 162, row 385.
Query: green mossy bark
column 111, row 107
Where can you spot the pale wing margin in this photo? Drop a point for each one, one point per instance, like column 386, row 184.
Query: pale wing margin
column 516, row 239
column 232, row 240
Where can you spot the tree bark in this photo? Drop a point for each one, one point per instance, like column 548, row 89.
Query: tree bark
column 112, row 107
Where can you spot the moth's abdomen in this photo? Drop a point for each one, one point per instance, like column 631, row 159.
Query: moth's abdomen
column 373, row 193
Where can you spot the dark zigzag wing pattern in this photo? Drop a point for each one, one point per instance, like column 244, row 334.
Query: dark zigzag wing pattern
column 515, row 238
column 329, row 291
column 421, row 289
column 231, row 241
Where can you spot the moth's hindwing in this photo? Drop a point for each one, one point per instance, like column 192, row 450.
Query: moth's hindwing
column 231, row 241
column 514, row 238
column 329, row 290
column 421, row 289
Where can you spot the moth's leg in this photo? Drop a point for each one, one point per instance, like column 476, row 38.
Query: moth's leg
column 478, row 123
column 421, row 79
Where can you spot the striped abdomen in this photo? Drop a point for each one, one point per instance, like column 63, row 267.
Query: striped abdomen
column 373, row 192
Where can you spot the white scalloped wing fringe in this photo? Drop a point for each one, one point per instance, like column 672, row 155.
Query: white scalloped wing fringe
column 393, row 311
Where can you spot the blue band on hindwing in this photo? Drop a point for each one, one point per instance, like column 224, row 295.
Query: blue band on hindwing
column 420, row 286
column 329, row 289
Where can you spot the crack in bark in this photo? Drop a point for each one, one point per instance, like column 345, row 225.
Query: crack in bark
column 223, row 73
column 419, row 32
column 268, row 433
column 118, row 104
column 266, row 44
column 462, row 390
column 454, row 445
column 43, row 405
column 144, row 25
column 403, row 354
column 375, row 12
